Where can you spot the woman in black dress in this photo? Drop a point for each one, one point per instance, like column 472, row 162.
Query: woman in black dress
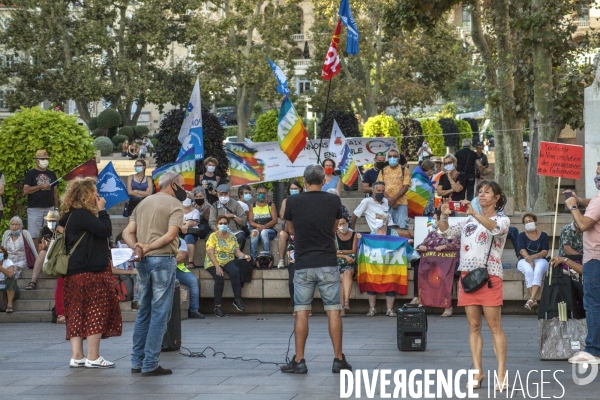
column 345, row 241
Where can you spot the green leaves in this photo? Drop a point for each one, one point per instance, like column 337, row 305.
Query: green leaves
column 266, row 127
column 383, row 126
column 29, row 130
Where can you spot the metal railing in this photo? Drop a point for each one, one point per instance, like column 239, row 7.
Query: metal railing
column 302, row 62
column 298, row 37
column 582, row 22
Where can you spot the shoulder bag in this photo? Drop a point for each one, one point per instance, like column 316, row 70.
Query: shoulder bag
column 477, row 278
column 57, row 257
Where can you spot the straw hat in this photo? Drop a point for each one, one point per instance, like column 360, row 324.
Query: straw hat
column 52, row 215
column 41, row 154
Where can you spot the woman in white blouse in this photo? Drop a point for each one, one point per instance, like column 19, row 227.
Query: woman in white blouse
column 17, row 242
column 482, row 237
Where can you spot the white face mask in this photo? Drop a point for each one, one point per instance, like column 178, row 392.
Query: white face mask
column 210, row 168
column 343, row 228
column 379, row 223
column 449, row 167
column 187, row 202
column 530, row 226
column 43, row 163
column 224, row 199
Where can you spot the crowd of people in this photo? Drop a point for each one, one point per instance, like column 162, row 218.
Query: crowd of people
column 318, row 238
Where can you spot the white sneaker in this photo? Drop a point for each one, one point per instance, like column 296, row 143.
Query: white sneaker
column 583, row 357
column 99, row 363
column 77, row 363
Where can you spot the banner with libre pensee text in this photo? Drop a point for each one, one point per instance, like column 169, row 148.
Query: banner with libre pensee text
column 264, row 162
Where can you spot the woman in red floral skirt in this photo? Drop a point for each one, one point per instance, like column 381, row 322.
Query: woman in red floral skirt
column 91, row 304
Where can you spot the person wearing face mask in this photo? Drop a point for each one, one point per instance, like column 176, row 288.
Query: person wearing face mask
column 41, row 195
column 153, row 232
column 381, row 228
column 331, row 181
column 191, row 219
column 262, row 219
column 345, row 242
column 20, row 246
column 45, row 236
column 452, row 183
column 209, row 180
column 371, row 206
column 398, row 179
column 589, row 224
column 139, row 186
column 370, row 175
column 245, row 197
column 203, row 208
column 8, row 280
column 534, row 246
column 438, row 242
column 424, row 152
column 223, row 255
column 233, row 211
column 293, row 188
column 467, row 161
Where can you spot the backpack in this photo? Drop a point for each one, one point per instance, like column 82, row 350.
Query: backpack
column 56, row 262
column 123, row 287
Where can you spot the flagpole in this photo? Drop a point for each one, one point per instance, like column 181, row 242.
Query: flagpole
column 324, row 116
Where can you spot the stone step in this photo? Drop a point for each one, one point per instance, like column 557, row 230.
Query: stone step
column 38, row 294
column 26, row 274
column 41, row 284
column 33, row 305
column 26, row 316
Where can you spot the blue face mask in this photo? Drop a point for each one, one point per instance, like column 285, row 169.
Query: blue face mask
column 433, row 223
column 223, row 228
column 1, row 256
column 15, row 233
column 247, row 197
column 139, row 170
column 294, row 191
column 393, row 161
column 261, row 197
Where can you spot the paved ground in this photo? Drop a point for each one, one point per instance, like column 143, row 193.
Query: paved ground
column 34, row 360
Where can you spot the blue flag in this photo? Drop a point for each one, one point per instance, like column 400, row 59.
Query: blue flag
column 352, row 30
column 191, row 134
column 282, row 88
column 111, row 187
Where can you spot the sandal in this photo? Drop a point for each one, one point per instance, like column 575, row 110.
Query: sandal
column 9, row 310
column 503, row 388
column 61, row 319
column 371, row 312
column 478, row 384
column 447, row 312
column 535, row 304
column 190, row 265
column 31, row 286
column 390, row 313
column 528, row 304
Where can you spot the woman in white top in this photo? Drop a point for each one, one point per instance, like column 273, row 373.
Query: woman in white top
column 191, row 219
column 424, row 152
column 8, row 279
column 17, row 242
column 482, row 238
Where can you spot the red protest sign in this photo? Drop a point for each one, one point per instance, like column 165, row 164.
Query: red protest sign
column 561, row 160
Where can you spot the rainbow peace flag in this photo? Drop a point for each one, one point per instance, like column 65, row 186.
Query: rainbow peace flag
column 185, row 165
column 241, row 171
column 383, row 264
column 419, row 194
column 348, row 167
column 291, row 133
column 247, row 154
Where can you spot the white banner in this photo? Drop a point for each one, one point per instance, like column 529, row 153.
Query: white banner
column 269, row 163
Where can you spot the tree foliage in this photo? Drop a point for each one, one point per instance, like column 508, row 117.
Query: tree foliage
column 29, row 130
column 266, row 127
column 412, row 137
column 167, row 136
column 383, row 126
column 346, row 120
column 464, row 128
column 104, row 144
column 451, row 132
column 113, row 50
column 232, row 50
column 432, row 132
column 405, row 70
column 474, row 128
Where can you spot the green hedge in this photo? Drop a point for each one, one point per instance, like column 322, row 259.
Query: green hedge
column 105, row 145
column 432, row 132
column 383, row 126
column 118, row 141
column 465, row 130
column 266, row 127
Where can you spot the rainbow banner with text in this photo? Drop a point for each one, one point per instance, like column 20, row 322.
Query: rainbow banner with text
column 185, row 165
column 383, row 264
column 291, row 133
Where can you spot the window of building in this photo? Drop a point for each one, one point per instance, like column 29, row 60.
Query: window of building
column 2, row 103
column 302, row 85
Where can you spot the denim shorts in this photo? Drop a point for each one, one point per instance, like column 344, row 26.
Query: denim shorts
column 328, row 281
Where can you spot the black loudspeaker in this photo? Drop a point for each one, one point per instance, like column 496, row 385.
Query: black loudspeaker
column 172, row 339
column 412, row 328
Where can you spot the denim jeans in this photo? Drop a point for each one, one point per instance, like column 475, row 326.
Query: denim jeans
column 189, row 279
column 400, row 216
column 233, row 273
column 156, row 283
column 591, row 303
column 265, row 236
column 328, row 281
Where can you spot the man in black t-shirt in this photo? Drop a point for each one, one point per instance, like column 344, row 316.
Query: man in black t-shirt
column 312, row 218
column 467, row 161
column 41, row 195
column 483, row 160
column 370, row 175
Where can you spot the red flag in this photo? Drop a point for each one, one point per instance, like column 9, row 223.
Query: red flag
column 87, row 169
column 332, row 66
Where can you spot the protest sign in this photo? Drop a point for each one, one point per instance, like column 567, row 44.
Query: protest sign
column 265, row 162
column 560, row 160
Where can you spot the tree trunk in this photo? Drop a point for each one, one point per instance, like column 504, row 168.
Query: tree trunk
column 84, row 112
column 511, row 144
column 542, row 189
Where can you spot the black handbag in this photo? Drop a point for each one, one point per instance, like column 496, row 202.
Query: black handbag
column 477, row 278
column 561, row 288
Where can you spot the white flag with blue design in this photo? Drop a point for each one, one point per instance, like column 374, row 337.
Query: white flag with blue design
column 282, row 88
column 191, row 134
column 111, row 187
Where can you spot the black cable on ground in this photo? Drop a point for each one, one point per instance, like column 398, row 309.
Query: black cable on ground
column 241, row 358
